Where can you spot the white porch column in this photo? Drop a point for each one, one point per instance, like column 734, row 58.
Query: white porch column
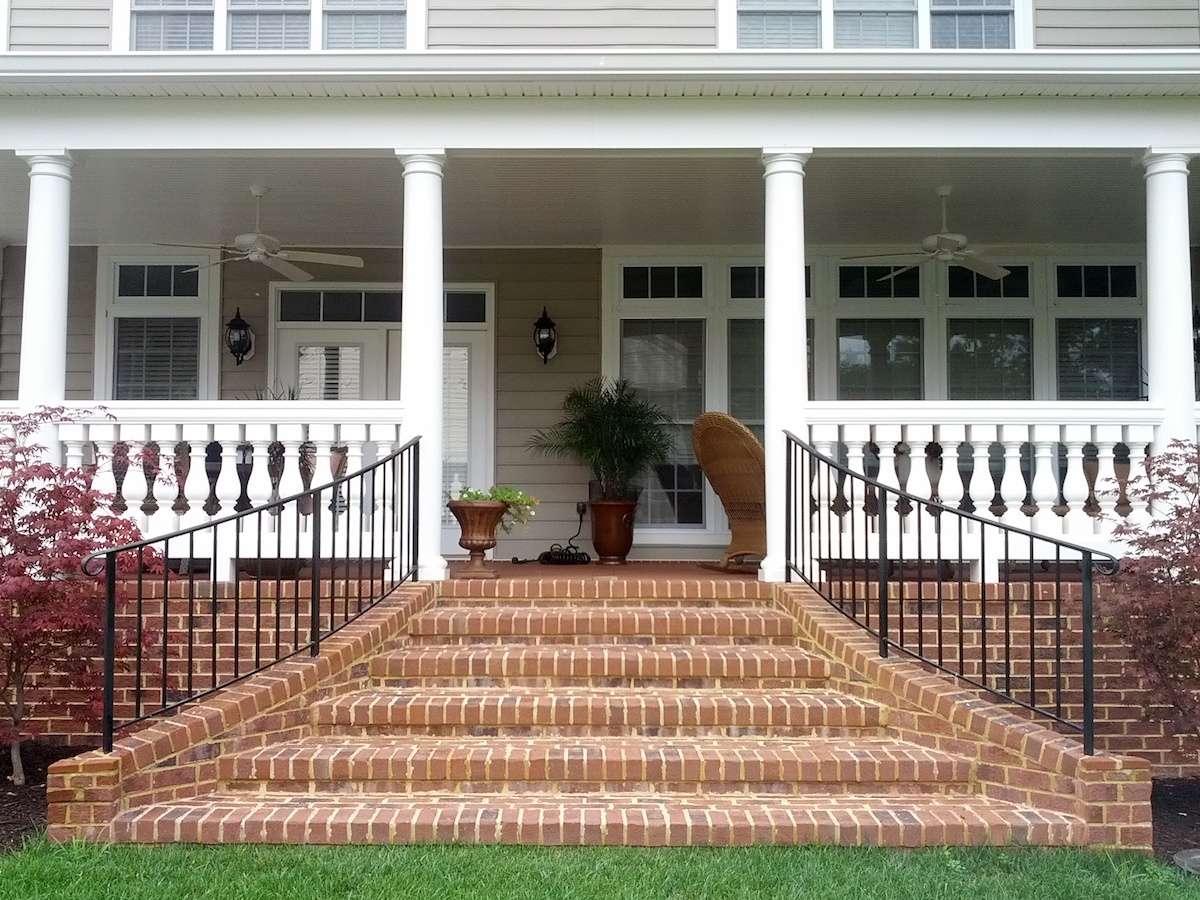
column 786, row 368
column 421, row 344
column 43, row 371
column 1169, row 362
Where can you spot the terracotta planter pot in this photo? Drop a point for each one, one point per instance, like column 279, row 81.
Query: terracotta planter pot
column 612, row 529
column 478, row 520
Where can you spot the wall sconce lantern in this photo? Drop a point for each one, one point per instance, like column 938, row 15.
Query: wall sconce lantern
column 545, row 337
column 239, row 338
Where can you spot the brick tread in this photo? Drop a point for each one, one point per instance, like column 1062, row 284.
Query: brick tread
column 600, row 661
column 598, row 706
column 573, row 621
column 660, row 820
column 744, row 761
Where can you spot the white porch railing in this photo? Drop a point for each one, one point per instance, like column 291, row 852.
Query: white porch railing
column 195, row 461
column 1061, row 469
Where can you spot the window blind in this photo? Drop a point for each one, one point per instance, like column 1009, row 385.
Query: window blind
column 1100, row 359
column 364, row 24
column 268, row 24
column 172, row 25
column 156, row 358
column 329, row 372
column 971, row 24
column 874, row 23
column 779, row 23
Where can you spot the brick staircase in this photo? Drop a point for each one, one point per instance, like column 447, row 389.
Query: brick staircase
column 675, row 714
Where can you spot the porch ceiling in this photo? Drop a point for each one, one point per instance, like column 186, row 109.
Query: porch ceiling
column 592, row 200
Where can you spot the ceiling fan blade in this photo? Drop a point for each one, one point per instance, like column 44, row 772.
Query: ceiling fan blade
column 195, row 246
column 219, row 262
column 900, row 258
column 286, row 269
column 984, row 267
column 896, row 272
column 325, row 259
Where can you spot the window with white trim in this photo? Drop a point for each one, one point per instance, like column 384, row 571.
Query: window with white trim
column 971, row 24
column 1100, row 359
column 880, row 359
column 989, row 359
column 364, row 24
column 963, row 284
column 171, row 25
column 857, row 282
column 874, row 23
column 777, row 24
column 269, row 24
column 1091, row 281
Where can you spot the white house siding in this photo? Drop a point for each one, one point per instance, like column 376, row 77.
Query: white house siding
column 81, row 321
column 493, row 24
column 59, row 25
column 1117, row 23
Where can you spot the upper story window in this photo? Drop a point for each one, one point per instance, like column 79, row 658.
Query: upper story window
column 971, row 24
column 268, row 25
column 171, row 25
column 874, row 23
column 364, row 24
column 779, row 23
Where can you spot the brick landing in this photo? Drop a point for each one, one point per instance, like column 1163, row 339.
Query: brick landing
column 657, row 705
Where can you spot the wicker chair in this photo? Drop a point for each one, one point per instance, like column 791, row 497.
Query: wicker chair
column 735, row 465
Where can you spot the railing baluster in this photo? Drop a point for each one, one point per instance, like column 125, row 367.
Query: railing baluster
column 314, row 612
column 110, row 648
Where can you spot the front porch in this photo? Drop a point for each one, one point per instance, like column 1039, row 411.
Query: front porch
column 1029, row 399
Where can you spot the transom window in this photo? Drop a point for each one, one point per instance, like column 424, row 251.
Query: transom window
column 779, row 23
column 662, row 282
column 1097, row 281
column 171, row 25
column 135, row 280
column 335, row 305
column 963, row 284
column 750, row 282
column 364, row 24
column 881, row 282
column 971, row 24
column 874, row 23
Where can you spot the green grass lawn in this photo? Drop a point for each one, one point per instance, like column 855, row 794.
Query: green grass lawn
column 43, row 870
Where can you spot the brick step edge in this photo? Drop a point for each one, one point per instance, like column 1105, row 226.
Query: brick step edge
column 597, row 585
column 687, row 621
column 891, row 821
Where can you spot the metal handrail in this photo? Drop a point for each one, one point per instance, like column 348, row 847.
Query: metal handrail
column 803, row 559
column 398, row 558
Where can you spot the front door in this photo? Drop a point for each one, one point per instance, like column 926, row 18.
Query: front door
column 364, row 364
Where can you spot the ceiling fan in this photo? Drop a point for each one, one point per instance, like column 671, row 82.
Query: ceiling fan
column 262, row 248
column 947, row 246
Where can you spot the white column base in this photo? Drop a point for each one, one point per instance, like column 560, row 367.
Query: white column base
column 433, row 569
column 772, row 569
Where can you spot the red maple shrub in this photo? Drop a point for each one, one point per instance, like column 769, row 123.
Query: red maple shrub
column 51, row 614
column 1155, row 607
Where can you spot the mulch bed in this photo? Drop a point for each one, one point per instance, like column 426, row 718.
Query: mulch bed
column 23, row 809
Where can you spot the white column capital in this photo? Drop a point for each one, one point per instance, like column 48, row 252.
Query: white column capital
column 42, row 161
column 429, row 161
column 1162, row 162
column 777, row 160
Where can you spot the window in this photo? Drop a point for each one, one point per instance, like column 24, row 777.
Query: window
column 873, row 282
column 268, row 25
column 318, row 305
column 329, row 372
column 664, row 360
column 662, row 282
column 989, row 359
column 750, row 282
column 135, row 281
column 879, row 359
column 779, row 23
column 971, row 24
column 747, row 371
column 964, row 284
column 364, row 24
column 1100, row 359
column 156, row 358
column 171, row 25
column 1090, row 281
column 874, row 23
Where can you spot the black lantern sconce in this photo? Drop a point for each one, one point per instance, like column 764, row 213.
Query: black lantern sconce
column 545, row 337
column 239, row 338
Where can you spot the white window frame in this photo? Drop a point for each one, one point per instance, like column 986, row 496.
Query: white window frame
column 314, row 14
column 206, row 307
column 320, row 35
column 727, row 30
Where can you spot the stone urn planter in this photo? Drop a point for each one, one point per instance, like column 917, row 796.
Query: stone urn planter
column 478, row 520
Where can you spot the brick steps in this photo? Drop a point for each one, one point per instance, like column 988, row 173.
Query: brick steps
column 603, row 665
column 609, row 765
column 556, row 819
column 685, row 624
column 550, row 602
column 601, row 711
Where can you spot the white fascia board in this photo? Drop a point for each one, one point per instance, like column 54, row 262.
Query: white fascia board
column 1086, row 72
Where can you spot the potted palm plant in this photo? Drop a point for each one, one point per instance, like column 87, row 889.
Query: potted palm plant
column 609, row 428
column 479, row 513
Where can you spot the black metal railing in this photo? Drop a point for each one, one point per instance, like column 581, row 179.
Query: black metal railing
column 982, row 600
column 202, row 608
